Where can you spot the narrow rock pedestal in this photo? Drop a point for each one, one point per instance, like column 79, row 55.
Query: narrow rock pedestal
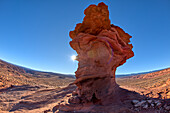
column 101, row 48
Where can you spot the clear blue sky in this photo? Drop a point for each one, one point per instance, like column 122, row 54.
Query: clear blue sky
column 35, row 33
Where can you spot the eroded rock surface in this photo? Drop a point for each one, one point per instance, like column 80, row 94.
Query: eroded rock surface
column 96, row 19
column 101, row 48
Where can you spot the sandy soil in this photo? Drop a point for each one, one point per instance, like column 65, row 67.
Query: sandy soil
column 31, row 99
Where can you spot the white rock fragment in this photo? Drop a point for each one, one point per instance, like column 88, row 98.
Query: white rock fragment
column 136, row 109
column 167, row 108
column 140, row 103
column 135, row 101
column 149, row 101
column 145, row 106
column 152, row 105
column 157, row 101
column 158, row 104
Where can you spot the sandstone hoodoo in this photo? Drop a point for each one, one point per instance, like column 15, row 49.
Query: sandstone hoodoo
column 101, row 48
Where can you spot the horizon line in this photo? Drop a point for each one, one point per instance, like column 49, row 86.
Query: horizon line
column 52, row 71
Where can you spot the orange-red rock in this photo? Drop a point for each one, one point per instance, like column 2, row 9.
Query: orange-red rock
column 96, row 19
column 101, row 48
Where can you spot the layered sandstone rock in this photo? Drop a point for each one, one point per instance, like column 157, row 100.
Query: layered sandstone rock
column 101, row 48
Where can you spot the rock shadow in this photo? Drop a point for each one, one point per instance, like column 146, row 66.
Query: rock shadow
column 41, row 98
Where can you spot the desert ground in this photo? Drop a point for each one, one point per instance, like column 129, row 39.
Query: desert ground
column 28, row 91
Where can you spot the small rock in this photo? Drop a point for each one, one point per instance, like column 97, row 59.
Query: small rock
column 157, row 101
column 68, row 95
column 152, row 105
column 74, row 100
column 74, row 93
column 149, row 101
column 145, row 106
column 165, row 105
column 159, row 105
column 55, row 108
column 135, row 101
column 12, row 86
column 167, row 108
column 140, row 103
column 46, row 111
column 61, row 101
column 136, row 109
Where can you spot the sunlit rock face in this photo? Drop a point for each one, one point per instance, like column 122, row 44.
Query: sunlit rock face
column 101, row 48
column 96, row 19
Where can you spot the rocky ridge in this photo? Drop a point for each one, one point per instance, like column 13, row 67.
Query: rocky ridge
column 13, row 75
column 156, row 85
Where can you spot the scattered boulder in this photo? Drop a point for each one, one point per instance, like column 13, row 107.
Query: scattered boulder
column 159, row 104
column 145, row 106
column 135, row 101
column 149, row 101
column 74, row 100
column 167, row 108
column 47, row 111
column 150, row 104
column 140, row 103
column 74, row 93
column 55, row 108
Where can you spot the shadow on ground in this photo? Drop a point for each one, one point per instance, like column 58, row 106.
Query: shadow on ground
column 30, row 97
column 20, row 98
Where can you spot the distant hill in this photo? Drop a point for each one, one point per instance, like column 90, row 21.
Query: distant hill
column 11, row 74
column 154, row 84
column 147, row 82
column 166, row 70
column 26, row 90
